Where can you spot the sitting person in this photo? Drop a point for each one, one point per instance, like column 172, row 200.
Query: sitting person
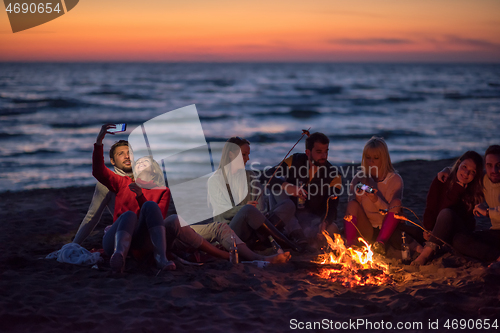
column 232, row 194
column 140, row 209
column 312, row 183
column 103, row 198
column 450, row 205
column 363, row 211
column 484, row 245
column 200, row 236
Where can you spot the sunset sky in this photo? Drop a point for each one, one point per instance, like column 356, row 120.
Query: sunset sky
column 258, row 30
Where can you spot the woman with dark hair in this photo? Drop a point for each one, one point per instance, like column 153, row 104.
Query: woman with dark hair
column 140, row 209
column 233, row 193
column 484, row 245
column 450, row 205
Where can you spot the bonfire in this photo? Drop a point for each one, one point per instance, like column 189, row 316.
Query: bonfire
column 351, row 267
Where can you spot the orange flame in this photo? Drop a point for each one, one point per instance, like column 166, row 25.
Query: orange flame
column 348, row 218
column 356, row 267
column 400, row 217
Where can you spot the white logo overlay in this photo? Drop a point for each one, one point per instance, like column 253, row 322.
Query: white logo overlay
column 176, row 142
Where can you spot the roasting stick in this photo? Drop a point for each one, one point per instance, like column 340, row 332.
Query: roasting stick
column 304, row 132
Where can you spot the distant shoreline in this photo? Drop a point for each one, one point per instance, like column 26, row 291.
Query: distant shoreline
column 264, row 62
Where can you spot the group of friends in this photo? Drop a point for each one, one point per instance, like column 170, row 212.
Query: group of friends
column 292, row 203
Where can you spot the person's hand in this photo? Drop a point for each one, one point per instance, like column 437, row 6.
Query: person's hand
column 103, row 132
column 372, row 196
column 427, row 235
column 443, row 175
column 358, row 196
column 253, row 203
column 480, row 210
column 295, row 191
column 136, row 189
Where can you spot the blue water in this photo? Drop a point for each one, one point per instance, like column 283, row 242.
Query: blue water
column 50, row 114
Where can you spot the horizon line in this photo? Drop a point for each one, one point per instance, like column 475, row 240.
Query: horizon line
column 437, row 62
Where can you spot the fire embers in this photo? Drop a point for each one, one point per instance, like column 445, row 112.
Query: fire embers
column 351, row 267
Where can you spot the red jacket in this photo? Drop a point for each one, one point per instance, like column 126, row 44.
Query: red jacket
column 125, row 198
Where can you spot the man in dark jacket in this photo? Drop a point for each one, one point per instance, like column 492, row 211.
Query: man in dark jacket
column 312, row 183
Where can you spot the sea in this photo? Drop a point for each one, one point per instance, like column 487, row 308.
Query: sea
column 51, row 113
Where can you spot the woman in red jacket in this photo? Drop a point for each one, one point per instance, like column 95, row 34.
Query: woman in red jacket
column 450, row 205
column 140, row 209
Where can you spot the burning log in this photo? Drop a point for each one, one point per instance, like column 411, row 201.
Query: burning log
column 349, row 266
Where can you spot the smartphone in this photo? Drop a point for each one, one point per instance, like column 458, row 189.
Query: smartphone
column 365, row 188
column 119, row 128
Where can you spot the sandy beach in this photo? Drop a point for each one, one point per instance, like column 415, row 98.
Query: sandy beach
column 40, row 295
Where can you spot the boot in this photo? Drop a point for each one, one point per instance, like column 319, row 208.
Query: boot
column 351, row 232
column 300, row 239
column 122, row 245
column 159, row 241
column 267, row 228
column 389, row 225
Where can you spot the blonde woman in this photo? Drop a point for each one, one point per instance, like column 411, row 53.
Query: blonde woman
column 364, row 208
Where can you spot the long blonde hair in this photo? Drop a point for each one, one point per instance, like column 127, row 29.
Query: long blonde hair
column 158, row 178
column 378, row 146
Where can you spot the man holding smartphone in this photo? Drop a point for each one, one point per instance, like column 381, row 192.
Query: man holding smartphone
column 104, row 198
column 119, row 157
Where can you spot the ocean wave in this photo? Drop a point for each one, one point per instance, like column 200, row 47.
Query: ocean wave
column 49, row 102
column 387, row 100
column 90, row 123
column 261, row 137
column 215, row 117
column 303, row 114
column 320, row 90
column 399, row 133
column 17, row 110
column 4, row 135
column 386, row 134
column 473, row 95
column 215, row 82
column 76, row 124
column 41, row 165
column 42, row 151
column 121, row 95
column 295, row 111
column 398, row 99
column 361, row 86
